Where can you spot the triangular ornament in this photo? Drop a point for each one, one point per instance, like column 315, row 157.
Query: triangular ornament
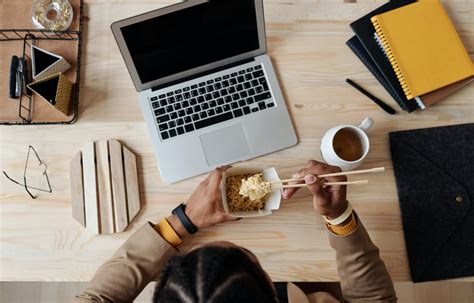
column 56, row 90
column 46, row 89
column 45, row 64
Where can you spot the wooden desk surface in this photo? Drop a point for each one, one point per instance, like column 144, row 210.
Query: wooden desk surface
column 306, row 40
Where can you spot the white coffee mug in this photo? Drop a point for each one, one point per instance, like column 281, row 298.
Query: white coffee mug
column 330, row 155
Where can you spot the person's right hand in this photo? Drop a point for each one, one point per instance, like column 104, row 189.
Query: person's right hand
column 329, row 201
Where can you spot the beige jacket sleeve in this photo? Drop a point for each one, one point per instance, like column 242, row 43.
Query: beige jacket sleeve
column 363, row 275
column 122, row 278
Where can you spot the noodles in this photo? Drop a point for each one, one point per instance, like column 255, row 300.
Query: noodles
column 255, row 188
column 236, row 201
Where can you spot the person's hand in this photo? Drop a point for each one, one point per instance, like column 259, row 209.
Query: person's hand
column 329, row 201
column 204, row 207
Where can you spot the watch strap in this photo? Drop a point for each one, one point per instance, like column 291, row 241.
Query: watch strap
column 188, row 225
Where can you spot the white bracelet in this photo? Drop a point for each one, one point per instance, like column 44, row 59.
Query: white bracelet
column 346, row 214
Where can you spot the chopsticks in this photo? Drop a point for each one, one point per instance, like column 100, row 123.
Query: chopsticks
column 359, row 182
column 354, row 172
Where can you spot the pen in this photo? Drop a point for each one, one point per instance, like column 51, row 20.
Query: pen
column 376, row 100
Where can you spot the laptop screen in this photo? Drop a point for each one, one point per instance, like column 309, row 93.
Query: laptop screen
column 192, row 37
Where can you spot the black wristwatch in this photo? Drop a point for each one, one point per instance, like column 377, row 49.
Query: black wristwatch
column 188, row 225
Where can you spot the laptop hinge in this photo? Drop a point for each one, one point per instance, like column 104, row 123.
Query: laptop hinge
column 202, row 74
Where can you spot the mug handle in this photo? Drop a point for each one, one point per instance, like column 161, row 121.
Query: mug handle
column 366, row 124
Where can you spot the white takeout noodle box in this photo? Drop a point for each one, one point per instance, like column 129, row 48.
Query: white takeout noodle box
column 273, row 201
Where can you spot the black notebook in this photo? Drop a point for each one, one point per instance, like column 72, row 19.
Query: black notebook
column 356, row 46
column 365, row 31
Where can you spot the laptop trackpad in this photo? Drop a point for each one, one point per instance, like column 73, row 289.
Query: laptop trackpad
column 225, row 145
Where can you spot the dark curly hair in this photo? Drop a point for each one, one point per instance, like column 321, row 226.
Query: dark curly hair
column 213, row 274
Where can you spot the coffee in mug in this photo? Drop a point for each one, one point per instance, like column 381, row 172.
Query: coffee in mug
column 346, row 146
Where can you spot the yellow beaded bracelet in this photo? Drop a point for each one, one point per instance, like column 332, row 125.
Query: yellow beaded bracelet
column 344, row 230
column 168, row 233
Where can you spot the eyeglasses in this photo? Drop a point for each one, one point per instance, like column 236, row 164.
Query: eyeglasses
column 45, row 174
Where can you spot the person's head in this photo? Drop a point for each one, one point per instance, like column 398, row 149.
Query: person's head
column 218, row 272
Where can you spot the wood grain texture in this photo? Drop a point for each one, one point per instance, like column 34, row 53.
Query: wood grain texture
column 77, row 189
column 131, row 181
column 104, row 188
column 306, row 41
column 90, row 188
column 118, row 186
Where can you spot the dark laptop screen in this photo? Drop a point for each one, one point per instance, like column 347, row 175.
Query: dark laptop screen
column 192, row 37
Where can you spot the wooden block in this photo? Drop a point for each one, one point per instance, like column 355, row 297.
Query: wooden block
column 77, row 189
column 118, row 186
column 131, row 180
column 107, row 224
column 90, row 188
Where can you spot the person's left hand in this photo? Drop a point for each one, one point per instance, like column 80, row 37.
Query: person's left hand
column 204, row 207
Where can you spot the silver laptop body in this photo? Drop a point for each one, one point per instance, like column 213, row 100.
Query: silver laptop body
column 207, row 88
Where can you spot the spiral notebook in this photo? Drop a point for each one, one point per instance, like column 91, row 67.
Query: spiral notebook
column 364, row 30
column 427, row 100
column 423, row 47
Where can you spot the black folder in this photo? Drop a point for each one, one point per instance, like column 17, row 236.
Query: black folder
column 434, row 170
column 365, row 31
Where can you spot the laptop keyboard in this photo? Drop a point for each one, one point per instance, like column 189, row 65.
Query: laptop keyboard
column 211, row 102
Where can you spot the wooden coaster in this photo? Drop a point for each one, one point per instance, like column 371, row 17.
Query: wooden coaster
column 104, row 187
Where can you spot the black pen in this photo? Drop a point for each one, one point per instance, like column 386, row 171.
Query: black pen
column 376, row 100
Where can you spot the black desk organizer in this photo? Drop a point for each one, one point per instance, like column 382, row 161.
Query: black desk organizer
column 30, row 37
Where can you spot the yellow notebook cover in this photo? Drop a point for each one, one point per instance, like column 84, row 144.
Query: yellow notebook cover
column 423, row 47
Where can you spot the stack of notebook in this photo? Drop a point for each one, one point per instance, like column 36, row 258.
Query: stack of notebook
column 413, row 50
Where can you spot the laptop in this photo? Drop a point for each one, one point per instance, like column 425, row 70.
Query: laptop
column 207, row 87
